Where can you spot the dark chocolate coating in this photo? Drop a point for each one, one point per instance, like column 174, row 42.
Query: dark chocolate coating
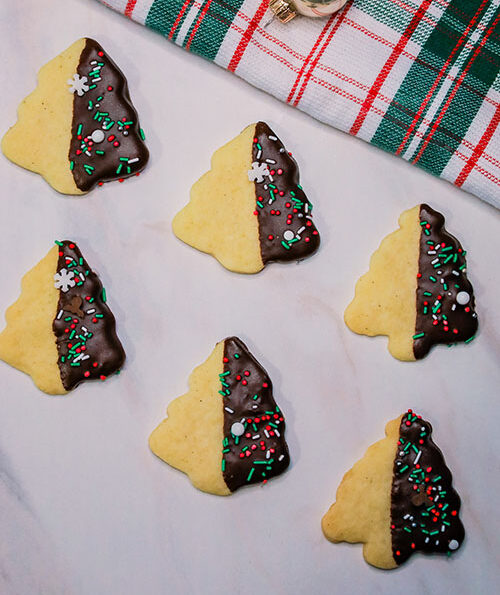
column 424, row 505
column 243, row 380
column 108, row 108
column 282, row 205
column 442, row 274
column 84, row 326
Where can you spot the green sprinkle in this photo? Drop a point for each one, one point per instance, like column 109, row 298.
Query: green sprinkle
column 223, row 465
column 418, row 335
column 433, row 279
column 402, row 470
column 141, row 132
column 99, row 152
column 236, row 356
column 285, row 245
column 103, row 295
column 470, row 339
column 71, row 165
column 250, row 474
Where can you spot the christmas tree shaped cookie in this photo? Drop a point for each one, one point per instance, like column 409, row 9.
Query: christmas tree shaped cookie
column 78, row 128
column 60, row 331
column 226, row 431
column 249, row 209
column 416, row 291
column 398, row 499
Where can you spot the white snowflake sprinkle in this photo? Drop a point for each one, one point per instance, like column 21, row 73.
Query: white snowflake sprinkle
column 258, row 172
column 64, row 279
column 78, row 84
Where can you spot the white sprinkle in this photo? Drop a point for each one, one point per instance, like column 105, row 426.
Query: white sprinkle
column 426, row 540
column 98, row 136
column 277, row 433
column 90, row 311
column 228, row 410
column 268, row 454
column 417, row 458
column 266, row 433
column 84, row 329
column 431, row 252
column 282, row 150
column 237, row 429
column 437, row 541
column 463, row 298
column 93, row 62
column 272, row 138
column 456, row 273
column 454, row 307
column 61, row 312
column 134, row 160
column 300, row 230
column 97, row 79
column 434, row 261
column 306, row 208
column 82, row 277
column 281, row 457
column 256, row 437
column 272, row 161
column 254, row 406
column 259, row 154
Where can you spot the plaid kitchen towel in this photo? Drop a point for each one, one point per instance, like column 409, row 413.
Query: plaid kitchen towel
column 418, row 78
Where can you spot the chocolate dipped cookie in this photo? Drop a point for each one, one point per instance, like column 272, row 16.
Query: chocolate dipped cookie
column 250, row 208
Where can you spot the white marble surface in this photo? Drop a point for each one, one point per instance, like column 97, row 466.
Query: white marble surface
column 85, row 508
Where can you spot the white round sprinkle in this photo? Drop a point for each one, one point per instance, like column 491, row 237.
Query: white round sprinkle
column 288, row 235
column 453, row 545
column 463, row 298
column 237, row 429
column 98, row 136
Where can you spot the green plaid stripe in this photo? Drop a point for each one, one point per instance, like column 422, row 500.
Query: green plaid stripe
column 207, row 30
column 214, row 27
column 422, row 75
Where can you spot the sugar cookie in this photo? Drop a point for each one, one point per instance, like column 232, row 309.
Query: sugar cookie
column 226, row 431
column 249, row 209
column 398, row 499
column 78, row 128
column 416, row 291
column 60, row 331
